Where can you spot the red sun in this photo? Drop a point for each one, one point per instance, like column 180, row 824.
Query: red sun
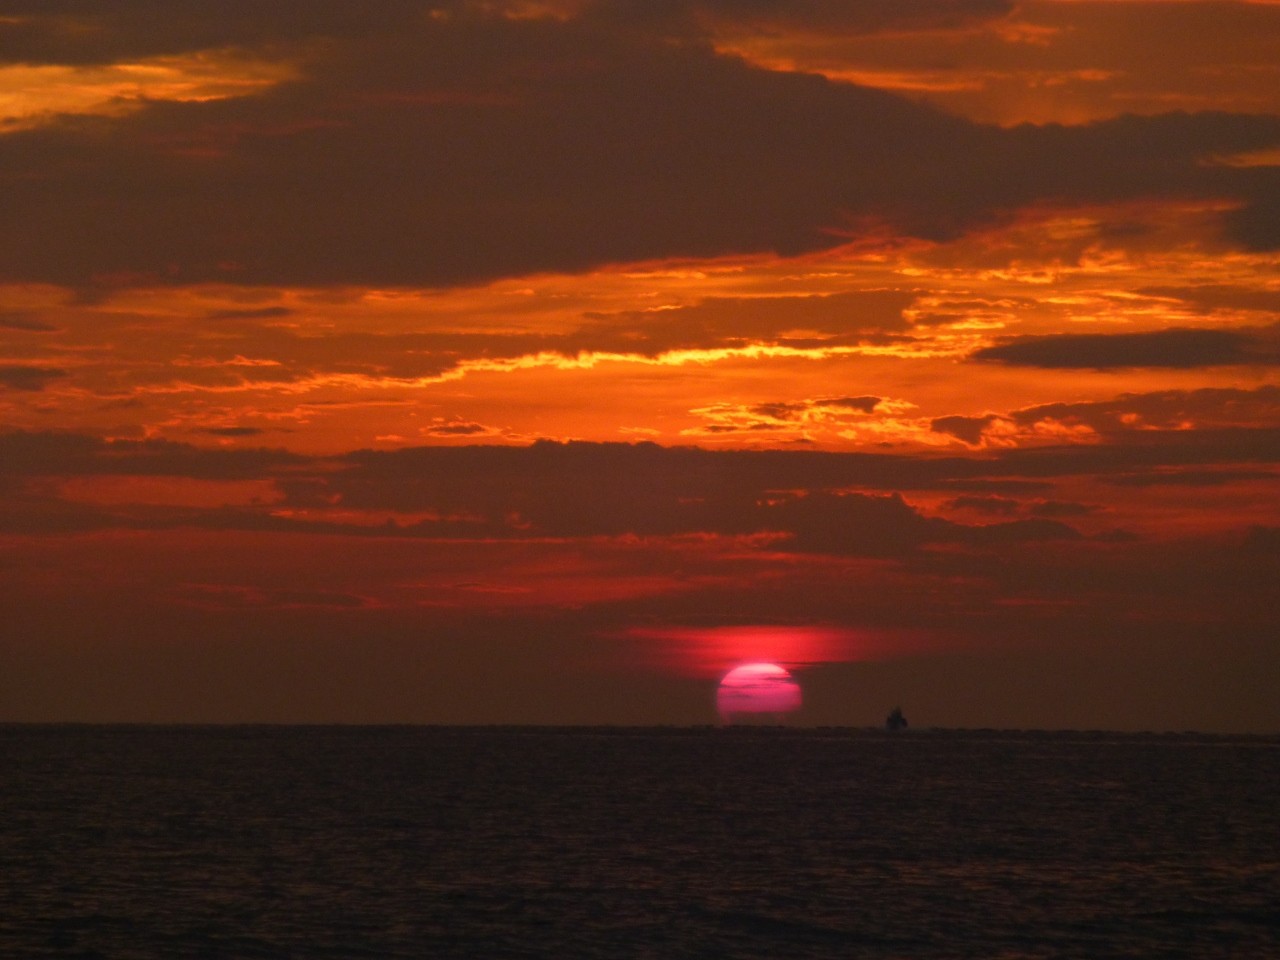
column 757, row 691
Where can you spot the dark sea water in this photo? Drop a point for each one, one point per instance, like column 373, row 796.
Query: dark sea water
column 123, row 842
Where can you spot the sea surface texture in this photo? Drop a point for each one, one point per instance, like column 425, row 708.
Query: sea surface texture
column 143, row 842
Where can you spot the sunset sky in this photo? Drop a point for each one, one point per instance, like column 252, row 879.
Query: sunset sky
column 539, row 361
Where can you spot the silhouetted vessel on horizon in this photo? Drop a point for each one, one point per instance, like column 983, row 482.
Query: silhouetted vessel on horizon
column 895, row 721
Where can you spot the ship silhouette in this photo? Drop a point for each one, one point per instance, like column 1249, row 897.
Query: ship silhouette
column 895, row 720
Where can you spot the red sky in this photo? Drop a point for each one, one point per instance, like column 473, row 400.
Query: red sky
column 539, row 362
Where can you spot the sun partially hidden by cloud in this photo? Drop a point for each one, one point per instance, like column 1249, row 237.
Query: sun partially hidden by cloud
column 757, row 690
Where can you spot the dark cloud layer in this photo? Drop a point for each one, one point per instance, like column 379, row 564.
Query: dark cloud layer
column 1142, row 431
column 968, row 429
column 1135, row 414
column 1189, row 478
column 20, row 377
column 996, row 506
column 84, row 32
column 17, row 320
column 255, row 591
column 233, row 431
column 1257, row 225
column 433, row 151
column 80, row 32
column 808, row 501
column 828, row 17
column 69, row 454
column 1207, row 297
column 1178, row 348
column 1140, row 420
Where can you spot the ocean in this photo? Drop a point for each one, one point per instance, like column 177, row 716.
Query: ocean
column 348, row 842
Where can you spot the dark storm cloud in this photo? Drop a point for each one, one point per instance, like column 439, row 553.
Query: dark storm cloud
column 1177, row 348
column 19, row 377
column 435, row 151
